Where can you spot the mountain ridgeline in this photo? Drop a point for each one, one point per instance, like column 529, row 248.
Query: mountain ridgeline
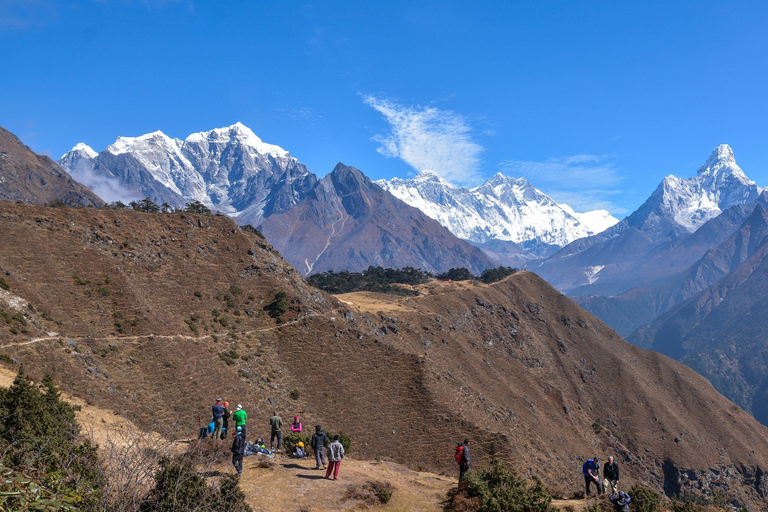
column 139, row 309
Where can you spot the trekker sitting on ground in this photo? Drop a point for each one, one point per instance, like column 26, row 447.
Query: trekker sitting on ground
column 298, row 451
column 620, row 501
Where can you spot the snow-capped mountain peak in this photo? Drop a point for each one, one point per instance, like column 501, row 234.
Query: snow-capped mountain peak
column 721, row 164
column 84, row 150
column 503, row 208
column 229, row 169
column 156, row 138
column 690, row 202
column 238, row 133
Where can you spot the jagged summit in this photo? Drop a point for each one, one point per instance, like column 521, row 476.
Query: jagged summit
column 503, row 208
column 721, row 165
column 238, row 132
column 228, row 169
column 84, row 149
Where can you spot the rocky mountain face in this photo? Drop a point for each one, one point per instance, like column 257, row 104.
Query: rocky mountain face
column 347, row 222
column 719, row 331
column 720, row 243
column 140, row 309
column 507, row 217
column 233, row 171
column 227, row 169
column 671, row 231
column 31, row 178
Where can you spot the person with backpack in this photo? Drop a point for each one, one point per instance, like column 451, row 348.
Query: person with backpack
column 319, row 441
column 591, row 471
column 238, row 451
column 461, row 455
column 620, row 501
column 217, row 411
column 239, row 417
column 611, row 475
column 335, row 454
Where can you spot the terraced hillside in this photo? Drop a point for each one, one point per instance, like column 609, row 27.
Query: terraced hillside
column 153, row 315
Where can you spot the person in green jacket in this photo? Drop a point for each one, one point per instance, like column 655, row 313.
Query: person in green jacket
column 239, row 417
column 276, row 422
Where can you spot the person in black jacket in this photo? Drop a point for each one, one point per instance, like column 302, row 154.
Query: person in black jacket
column 319, row 442
column 238, row 451
column 611, row 475
column 465, row 460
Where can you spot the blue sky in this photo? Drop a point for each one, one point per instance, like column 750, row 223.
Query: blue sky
column 593, row 102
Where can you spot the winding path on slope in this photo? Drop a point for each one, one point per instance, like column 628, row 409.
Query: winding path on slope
column 154, row 336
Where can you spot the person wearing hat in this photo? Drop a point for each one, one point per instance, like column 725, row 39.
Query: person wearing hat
column 591, row 472
column 239, row 417
column 335, row 454
column 238, row 451
column 225, row 418
column 218, row 418
column 298, row 451
column 296, row 425
column 319, row 441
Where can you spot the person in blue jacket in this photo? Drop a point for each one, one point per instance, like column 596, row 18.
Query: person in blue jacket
column 620, row 501
column 591, row 471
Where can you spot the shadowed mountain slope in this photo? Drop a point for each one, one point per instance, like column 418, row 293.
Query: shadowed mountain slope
column 28, row 177
column 721, row 331
column 153, row 315
column 676, row 273
column 348, row 223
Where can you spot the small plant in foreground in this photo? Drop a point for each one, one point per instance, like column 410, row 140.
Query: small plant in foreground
column 496, row 489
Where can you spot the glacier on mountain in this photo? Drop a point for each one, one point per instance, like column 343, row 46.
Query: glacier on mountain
column 228, row 169
column 688, row 203
column 501, row 209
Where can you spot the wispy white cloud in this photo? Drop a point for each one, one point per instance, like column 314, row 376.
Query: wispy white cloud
column 583, row 182
column 429, row 139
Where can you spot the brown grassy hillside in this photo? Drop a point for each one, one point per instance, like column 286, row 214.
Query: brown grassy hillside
column 126, row 308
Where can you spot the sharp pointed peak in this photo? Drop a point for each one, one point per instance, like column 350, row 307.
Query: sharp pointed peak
column 722, row 158
column 83, row 148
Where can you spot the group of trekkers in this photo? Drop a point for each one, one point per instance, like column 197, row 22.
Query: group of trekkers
column 219, row 425
column 591, row 472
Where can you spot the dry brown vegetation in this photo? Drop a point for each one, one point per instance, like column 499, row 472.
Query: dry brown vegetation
column 515, row 366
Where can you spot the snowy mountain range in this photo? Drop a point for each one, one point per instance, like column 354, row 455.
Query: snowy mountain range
column 227, row 169
column 503, row 209
column 633, row 271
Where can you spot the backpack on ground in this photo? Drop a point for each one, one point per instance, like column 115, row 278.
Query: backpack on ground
column 458, row 456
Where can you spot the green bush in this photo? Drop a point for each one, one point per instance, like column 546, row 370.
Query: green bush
column 178, row 486
column 294, row 394
column 277, row 307
column 644, row 499
column 39, row 430
column 23, row 490
column 492, row 275
column 456, row 274
column 684, row 506
column 495, row 489
column 291, row 440
column 4, row 284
